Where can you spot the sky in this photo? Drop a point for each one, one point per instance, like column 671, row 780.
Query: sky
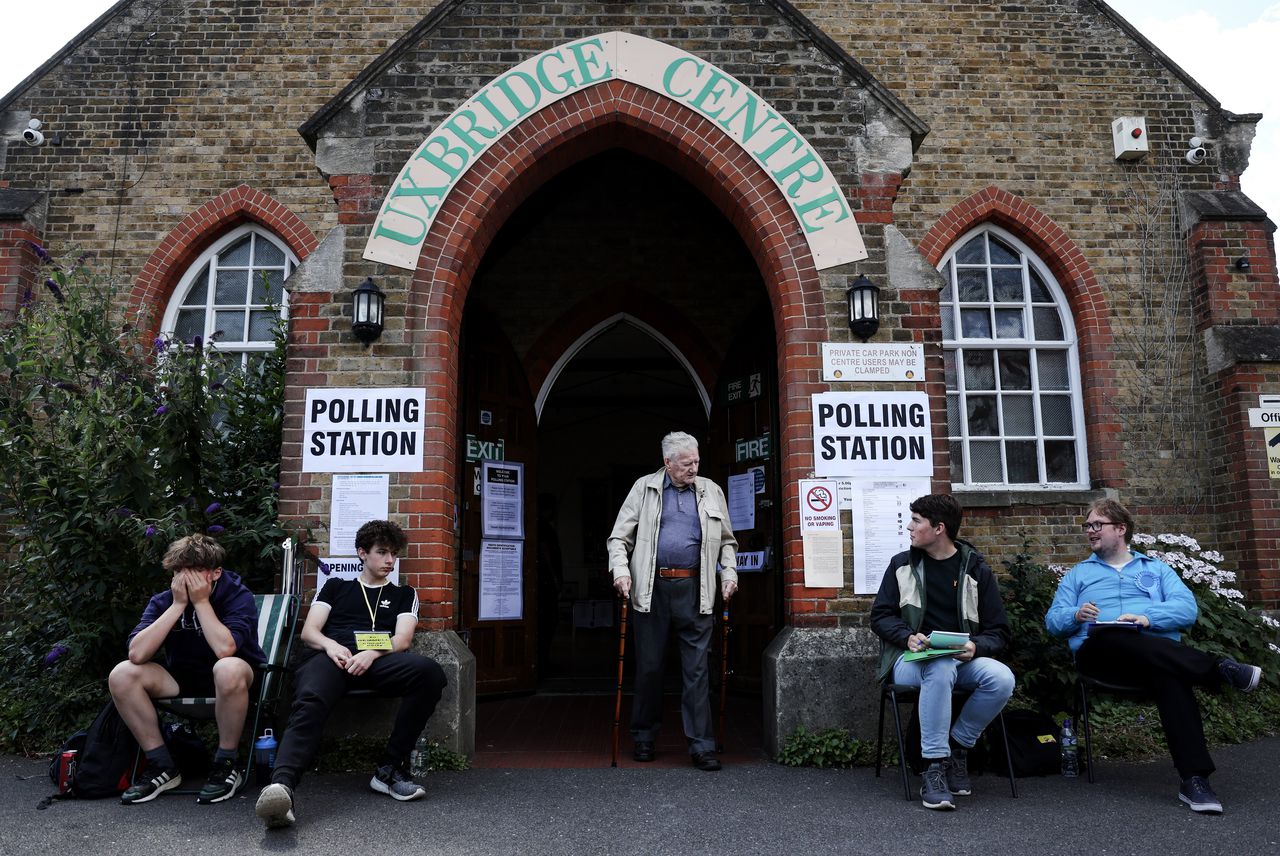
column 1232, row 47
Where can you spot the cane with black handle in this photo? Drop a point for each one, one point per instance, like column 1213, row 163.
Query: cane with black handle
column 617, row 703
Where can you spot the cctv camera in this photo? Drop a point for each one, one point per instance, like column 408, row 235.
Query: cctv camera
column 1196, row 156
column 31, row 134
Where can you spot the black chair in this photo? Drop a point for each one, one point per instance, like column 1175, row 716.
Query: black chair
column 898, row 694
column 1084, row 684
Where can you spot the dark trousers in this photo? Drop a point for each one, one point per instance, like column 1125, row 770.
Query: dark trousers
column 417, row 680
column 674, row 606
column 1168, row 670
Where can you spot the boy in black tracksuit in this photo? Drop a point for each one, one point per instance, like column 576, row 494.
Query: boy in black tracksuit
column 361, row 631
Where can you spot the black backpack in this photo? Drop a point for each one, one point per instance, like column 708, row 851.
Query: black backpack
column 106, row 757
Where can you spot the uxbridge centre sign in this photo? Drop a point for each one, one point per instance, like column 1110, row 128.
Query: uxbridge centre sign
column 432, row 172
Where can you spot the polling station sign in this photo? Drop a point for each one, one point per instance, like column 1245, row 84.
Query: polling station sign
column 363, row 430
column 872, row 435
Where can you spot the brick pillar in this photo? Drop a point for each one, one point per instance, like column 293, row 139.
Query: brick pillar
column 1236, row 305
column 21, row 216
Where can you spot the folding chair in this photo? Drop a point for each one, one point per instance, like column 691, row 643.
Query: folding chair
column 1083, row 684
column 898, row 694
column 277, row 617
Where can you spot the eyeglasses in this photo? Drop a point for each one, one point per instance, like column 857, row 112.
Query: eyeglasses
column 1096, row 525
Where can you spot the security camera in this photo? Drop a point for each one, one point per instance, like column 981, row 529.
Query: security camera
column 31, row 134
column 1196, row 156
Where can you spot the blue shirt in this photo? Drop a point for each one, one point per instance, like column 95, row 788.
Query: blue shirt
column 680, row 531
column 1144, row 586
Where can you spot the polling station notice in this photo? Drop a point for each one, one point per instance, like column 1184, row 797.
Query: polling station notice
column 872, row 435
column 363, row 430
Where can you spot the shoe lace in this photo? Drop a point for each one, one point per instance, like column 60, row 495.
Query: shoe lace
column 935, row 779
column 959, row 765
column 1198, row 786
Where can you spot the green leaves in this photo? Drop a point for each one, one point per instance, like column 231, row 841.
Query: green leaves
column 112, row 446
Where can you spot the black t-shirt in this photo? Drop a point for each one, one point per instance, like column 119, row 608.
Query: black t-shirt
column 351, row 602
column 940, row 595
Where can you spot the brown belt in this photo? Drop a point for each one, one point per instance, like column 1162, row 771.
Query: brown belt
column 677, row 573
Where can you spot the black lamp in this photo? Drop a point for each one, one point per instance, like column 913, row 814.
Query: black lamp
column 366, row 311
column 864, row 308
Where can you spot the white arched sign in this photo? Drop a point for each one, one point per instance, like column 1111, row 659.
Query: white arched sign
column 449, row 151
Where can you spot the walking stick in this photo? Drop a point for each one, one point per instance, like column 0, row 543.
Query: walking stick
column 617, row 704
column 724, row 672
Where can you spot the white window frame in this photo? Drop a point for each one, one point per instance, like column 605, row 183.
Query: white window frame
column 956, row 346
column 169, row 322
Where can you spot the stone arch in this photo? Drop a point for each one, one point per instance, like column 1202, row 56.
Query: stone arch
column 194, row 233
column 612, row 114
column 1089, row 305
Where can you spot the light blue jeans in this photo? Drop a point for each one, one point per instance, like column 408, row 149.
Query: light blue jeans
column 989, row 681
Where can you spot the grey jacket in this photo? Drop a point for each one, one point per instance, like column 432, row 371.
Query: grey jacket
column 633, row 544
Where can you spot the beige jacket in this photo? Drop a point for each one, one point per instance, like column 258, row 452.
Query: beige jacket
column 633, row 544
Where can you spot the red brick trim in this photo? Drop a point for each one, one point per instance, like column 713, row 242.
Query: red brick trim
column 19, row 266
column 193, row 235
column 613, row 114
column 1088, row 301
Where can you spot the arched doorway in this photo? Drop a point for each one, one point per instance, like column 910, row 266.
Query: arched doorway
column 624, row 318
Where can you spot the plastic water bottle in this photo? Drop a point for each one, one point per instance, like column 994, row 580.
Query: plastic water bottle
column 264, row 756
column 420, row 757
column 1070, row 751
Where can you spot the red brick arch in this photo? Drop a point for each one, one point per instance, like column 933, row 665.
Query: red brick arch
column 186, row 241
column 612, row 114
column 1088, row 301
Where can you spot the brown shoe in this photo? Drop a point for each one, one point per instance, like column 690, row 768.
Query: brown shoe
column 706, row 761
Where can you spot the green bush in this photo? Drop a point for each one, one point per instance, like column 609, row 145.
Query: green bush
column 833, row 747
column 111, row 446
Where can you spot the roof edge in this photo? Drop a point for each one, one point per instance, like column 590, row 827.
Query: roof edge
column 917, row 127
column 54, row 61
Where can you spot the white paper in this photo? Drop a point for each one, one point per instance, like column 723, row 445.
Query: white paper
column 881, row 512
column 872, row 435
column 363, row 430
column 346, row 568
column 742, row 502
column 823, row 559
column 819, row 506
column 353, row 501
column 501, row 499
column 501, row 580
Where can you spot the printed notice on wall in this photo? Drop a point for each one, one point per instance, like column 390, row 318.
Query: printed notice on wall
column 884, row 361
column 501, row 580
column 363, row 430
column 872, row 435
column 501, row 499
column 353, row 502
column 742, row 502
column 820, row 534
column 881, row 512
column 345, row 568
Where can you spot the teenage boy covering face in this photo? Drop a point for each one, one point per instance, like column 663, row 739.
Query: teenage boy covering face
column 207, row 623
column 361, row 631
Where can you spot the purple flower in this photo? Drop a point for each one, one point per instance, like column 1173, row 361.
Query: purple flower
column 161, row 410
column 160, row 344
column 197, row 342
column 122, row 511
column 151, row 532
column 27, row 297
column 324, row 568
column 214, row 508
column 54, row 653
column 275, row 485
column 41, row 252
column 215, row 529
column 53, row 288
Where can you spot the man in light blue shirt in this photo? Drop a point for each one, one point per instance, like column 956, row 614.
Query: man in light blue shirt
column 1122, row 613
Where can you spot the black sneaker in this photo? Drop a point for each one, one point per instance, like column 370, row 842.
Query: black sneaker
column 1197, row 794
column 933, row 791
column 224, row 781
column 957, row 767
column 1241, row 676
column 397, row 783
column 155, row 781
column 275, row 806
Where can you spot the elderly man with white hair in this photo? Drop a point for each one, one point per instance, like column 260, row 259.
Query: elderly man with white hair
column 672, row 531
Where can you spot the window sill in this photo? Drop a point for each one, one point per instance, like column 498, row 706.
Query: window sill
column 1005, row 498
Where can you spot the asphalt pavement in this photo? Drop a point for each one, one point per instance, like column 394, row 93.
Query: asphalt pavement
column 744, row 809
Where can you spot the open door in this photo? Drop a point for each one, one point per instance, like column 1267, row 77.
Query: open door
column 743, row 432
column 497, row 416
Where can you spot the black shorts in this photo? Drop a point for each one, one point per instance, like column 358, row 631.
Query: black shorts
column 200, row 684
